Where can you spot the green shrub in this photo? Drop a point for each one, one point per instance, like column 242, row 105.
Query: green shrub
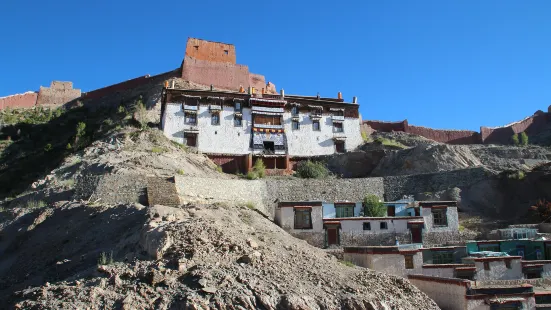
column 373, row 207
column 250, row 205
column 105, row 258
column 515, row 175
column 179, row 145
column 311, row 170
column 69, row 146
column 523, row 139
column 251, row 175
column 180, row 171
column 48, row 147
column 121, row 109
column 365, row 138
column 515, row 139
column 259, row 168
column 219, row 169
column 141, row 113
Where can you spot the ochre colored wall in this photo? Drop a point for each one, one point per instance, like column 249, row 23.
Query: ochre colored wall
column 222, row 75
column 57, row 94
column 502, row 135
column 26, row 100
column 446, row 136
column 387, row 126
column 210, row 51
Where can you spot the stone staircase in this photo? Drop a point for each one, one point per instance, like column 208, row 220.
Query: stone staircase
column 162, row 191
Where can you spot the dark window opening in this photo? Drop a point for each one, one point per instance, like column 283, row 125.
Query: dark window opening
column 296, row 125
column 465, row 276
column 339, row 147
column 384, row 225
column 269, row 146
column 442, row 257
column 294, row 110
column 391, row 210
column 486, row 265
column 508, row 264
column 367, row 226
column 408, row 260
column 191, row 139
column 439, row 217
column 215, row 119
column 196, row 47
column 344, row 211
column 303, row 219
column 238, row 107
column 267, row 119
column 338, row 127
column 237, row 120
column 191, row 118
column 226, row 52
column 533, row 275
column 316, row 125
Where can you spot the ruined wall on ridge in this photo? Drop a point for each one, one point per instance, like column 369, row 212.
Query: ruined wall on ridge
column 210, row 51
column 502, row 135
column 446, row 136
column 387, row 126
column 57, row 94
column 220, row 74
column 26, row 100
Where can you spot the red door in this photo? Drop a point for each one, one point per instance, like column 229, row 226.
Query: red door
column 391, row 211
column 332, row 236
column 416, row 236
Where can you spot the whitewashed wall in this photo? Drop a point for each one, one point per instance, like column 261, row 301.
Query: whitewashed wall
column 329, row 210
column 498, row 270
column 394, row 226
column 287, row 219
column 219, row 139
column 388, row 263
column 453, row 220
column 449, row 296
column 448, row 272
column 307, row 142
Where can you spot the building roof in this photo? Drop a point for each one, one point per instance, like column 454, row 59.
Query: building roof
column 299, row 203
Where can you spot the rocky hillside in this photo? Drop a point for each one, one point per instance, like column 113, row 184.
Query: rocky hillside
column 77, row 256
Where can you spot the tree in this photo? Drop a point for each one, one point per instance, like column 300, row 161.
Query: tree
column 523, row 138
column 515, row 139
column 373, row 206
column 543, row 207
column 311, row 170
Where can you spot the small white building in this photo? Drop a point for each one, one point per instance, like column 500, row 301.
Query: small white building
column 342, row 223
column 395, row 260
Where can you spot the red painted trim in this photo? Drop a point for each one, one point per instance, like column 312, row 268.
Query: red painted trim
column 494, row 259
column 542, row 293
column 543, row 262
column 460, row 282
column 375, row 218
column 445, row 248
column 302, row 207
column 484, row 296
column 436, row 266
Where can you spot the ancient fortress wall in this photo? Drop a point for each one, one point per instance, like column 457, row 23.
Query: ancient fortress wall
column 220, row 74
column 502, row 135
column 446, row 136
column 57, row 94
column 496, row 135
column 210, row 51
column 26, row 100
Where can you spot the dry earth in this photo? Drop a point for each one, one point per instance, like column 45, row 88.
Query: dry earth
column 194, row 257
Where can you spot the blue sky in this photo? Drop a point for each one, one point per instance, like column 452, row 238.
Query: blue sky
column 455, row 64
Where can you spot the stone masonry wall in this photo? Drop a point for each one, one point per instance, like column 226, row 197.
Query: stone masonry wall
column 502, row 135
column 57, row 94
column 112, row 188
column 26, row 100
column 220, row 74
column 446, row 136
column 397, row 186
column 210, row 51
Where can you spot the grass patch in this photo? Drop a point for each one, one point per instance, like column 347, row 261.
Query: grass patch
column 105, row 258
column 347, row 263
column 157, row 150
column 180, row 171
column 389, row 142
column 68, row 183
column 34, row 204
column 181, row 146
column 219, row 169
column 250, row 205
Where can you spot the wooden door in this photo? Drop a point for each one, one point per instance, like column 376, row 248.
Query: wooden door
column 416, row 235
column 391, row 211
column 332, row 236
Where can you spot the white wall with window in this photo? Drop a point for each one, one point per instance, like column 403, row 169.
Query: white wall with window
column 225, row 137
column 300, row 219
column 440, row 219
column 376, row 225
column 398, row 264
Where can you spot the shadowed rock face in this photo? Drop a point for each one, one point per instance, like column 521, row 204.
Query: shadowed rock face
column 192, row 258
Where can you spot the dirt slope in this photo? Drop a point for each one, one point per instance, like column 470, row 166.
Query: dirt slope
column 201, row 257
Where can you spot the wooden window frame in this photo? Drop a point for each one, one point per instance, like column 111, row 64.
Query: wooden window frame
column 441, row 220
column 442, row 257
column 187, row 116
column 349, row 212
column 408, row 262
column 486, row 265
column 237, row 118
column 300, row 212
column 338, row 127
column 381, row 224
column 212, row 118
column 293, row 123
column 366, row 226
